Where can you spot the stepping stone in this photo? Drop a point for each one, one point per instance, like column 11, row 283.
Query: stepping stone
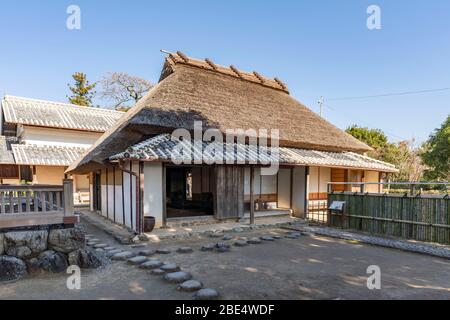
column 124, row 255
column 290, row 236
column 295, row 234
column 109, row 248
column 227, row 238
column 278, row 237
column 137, row 260
column 240, row 243
column 157, row 272
column 222, row 247
column 113, row 252
column 163, row 251
column 216, row 235
column 90, row 243
column 135, row 246
column 184, row 250
column 94, row 240
column 177, row 277
column 170, row 267
column 267, row 238
column 206, row 294
column 208, row 247
column 238, row 229
column 100, row 245
column 190, row 286
column 151, row 264
column 147, row 253
column 254, row 241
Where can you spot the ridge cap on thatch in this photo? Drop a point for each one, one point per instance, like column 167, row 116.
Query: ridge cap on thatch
column 179, row 58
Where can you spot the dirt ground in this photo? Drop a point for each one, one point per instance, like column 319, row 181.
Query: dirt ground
column 310, row 267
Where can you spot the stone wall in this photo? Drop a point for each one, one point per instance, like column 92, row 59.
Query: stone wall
column 25, row 252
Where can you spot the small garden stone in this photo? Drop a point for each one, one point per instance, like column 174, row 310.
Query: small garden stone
column 240, row 243
column 184, row 250
column 157, row 272
column 267, row 238
column 206, row 294
column 124, row 255
column 190, row 286
column 177, row 277
column 147, row 252
column 163, row 251
column 170, row 267
column 254, row 241
column 208, row 247
column 137, row 260
column 151, row 264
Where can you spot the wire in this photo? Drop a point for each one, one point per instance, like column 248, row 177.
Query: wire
column 363, row 122
column 389, row 94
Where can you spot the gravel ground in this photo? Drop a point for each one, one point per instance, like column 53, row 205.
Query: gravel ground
column 310, row 267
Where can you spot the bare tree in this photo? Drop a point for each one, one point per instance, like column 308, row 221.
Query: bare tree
column 123, row 89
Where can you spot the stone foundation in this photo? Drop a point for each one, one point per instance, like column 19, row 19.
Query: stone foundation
column 50, row 249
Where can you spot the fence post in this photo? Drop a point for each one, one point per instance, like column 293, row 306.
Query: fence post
column 68, row 197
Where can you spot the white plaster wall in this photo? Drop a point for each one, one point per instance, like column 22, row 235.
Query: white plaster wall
column 111, row 195
column 299, row 191
column 134, row 168
column 49, row 175
column 127, row 197
column 284, row 188
column 58, row 137
column 91, row 192
column 153, row 191
column 103, row 193
column 316, row 184
column 372, row 176
column 118, row 197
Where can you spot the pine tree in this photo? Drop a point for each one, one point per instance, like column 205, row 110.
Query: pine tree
column 82, row 90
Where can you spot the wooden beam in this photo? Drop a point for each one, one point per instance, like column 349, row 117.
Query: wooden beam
column 26, row 220
column 252, row 196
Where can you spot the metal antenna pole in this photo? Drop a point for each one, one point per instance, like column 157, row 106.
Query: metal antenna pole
column 321, row 100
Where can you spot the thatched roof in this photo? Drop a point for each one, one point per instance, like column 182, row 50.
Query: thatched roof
column 225, row 98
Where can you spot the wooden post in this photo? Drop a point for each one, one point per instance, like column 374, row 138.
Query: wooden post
column 68, row 197
column 252, row 196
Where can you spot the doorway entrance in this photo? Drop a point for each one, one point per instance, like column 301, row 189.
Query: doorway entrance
column 97, row 194
column 189, row 191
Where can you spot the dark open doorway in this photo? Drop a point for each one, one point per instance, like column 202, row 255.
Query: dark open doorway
column 97, row 194
column 189, row 191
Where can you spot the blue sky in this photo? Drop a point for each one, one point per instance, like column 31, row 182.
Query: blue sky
column 319, row 48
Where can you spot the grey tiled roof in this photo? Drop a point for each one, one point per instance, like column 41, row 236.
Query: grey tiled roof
column 6, row 155
column 58, row 115
column 163, row 148
column 28, row 154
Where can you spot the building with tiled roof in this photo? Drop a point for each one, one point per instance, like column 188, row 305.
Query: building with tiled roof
column 140, row 170
column 39, row 139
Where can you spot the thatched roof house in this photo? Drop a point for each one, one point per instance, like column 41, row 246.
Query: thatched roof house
column 135, row 173
column 220, row 97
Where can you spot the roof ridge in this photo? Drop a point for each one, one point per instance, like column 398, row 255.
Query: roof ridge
column 6, row 97
column 206, row 64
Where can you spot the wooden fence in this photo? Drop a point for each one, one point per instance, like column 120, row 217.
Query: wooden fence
column 408, row 216
column 33, row 205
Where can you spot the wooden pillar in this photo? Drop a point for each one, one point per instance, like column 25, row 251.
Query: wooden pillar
column 252, row 196
column 68, row 197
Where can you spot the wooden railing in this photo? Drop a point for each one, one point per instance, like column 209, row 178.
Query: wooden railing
column 30, row 205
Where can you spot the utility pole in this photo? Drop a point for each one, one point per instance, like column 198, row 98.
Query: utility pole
column 320, row 102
